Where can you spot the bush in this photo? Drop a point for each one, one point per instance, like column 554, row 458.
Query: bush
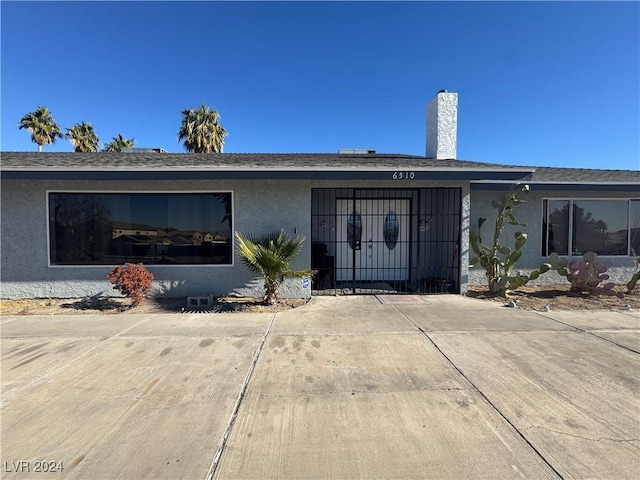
column 132, row 281
column 270, row 255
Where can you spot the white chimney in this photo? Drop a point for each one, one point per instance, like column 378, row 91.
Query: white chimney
column 442, row 126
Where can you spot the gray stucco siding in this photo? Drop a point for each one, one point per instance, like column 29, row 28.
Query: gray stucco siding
column 620, row 268
column 259, row 206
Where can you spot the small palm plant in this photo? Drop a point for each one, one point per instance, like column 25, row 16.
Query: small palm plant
column 269, row 255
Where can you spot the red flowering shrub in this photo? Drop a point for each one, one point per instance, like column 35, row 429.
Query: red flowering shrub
column 132, row 281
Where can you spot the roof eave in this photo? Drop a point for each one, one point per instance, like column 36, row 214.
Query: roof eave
column 558, row 186
column 292, row 173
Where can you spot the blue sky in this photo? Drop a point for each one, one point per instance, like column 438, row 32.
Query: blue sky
column 544, row 83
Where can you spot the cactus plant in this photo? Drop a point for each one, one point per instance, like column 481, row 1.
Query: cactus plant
column 635, row 277
column 586, row 275
column 499, row 260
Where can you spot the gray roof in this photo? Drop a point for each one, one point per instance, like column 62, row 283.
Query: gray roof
column 146, row 165
column 558, row 178
column 584, row 175
column 100, row 160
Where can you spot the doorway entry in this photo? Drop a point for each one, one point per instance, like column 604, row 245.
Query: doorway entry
column 385, row 240
column 373, row 239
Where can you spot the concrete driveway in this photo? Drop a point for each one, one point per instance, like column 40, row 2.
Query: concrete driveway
column 344, row 387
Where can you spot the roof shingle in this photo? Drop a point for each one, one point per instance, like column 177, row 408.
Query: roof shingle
column 101, row 161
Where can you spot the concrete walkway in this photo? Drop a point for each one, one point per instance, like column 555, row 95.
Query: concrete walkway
column 344, row 387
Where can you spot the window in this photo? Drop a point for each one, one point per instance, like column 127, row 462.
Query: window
column 354, row 230
column 391, row 229
column 606, row 227
column 153, row 228
column 558, row 226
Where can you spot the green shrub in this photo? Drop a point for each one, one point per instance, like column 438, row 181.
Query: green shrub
column 269, row 255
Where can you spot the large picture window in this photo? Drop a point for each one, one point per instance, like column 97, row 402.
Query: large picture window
column 152, row 228
column 577, row 226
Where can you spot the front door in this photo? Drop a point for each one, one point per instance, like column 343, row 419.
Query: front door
column 373, row 237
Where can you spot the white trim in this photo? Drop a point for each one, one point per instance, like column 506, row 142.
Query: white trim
column 570, row 230
column 99, row 192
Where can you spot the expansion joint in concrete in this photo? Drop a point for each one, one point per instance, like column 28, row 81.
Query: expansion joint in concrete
column 234, row 413
column 481, row 393
column 581, row 330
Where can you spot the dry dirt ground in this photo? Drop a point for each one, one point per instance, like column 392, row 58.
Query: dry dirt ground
column 560, row 297
column 112, row 305
column 539, row 298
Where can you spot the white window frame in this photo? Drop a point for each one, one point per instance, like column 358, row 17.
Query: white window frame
column 545, row 219
column 100, row 192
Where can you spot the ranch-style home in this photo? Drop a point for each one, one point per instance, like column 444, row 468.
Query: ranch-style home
column 373, row 222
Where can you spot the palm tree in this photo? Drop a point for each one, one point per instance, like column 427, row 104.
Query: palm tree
column 118, row 143
column 44, row 129
column 201, row 131
column 83, row 137
column 269, row 256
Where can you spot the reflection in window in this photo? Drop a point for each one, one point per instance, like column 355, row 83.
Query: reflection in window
column 153, row 228
column 600, row 226
column 606, row 227
column 557, row 219
column 634, row 227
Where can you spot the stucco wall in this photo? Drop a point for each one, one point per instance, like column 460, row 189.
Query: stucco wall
column 442, row 126
column 25, row 271
column 620, row 267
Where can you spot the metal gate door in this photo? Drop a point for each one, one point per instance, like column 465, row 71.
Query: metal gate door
column 386, row 240
column 372, row 237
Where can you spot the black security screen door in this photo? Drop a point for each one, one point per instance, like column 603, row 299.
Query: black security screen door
column 386, row 240
column 153, row 228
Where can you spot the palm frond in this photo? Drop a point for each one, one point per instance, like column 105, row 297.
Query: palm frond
column 200, row 130
column 118, row 143
column 83, row 137
column 269, row 255
column 42, row 126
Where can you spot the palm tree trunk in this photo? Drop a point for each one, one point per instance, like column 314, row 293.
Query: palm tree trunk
column 39, row 148
column 271, row 294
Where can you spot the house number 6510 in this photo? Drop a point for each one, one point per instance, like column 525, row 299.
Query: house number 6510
column 403, row 175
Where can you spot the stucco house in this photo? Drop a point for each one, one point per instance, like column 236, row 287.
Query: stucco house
column 373, row 222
